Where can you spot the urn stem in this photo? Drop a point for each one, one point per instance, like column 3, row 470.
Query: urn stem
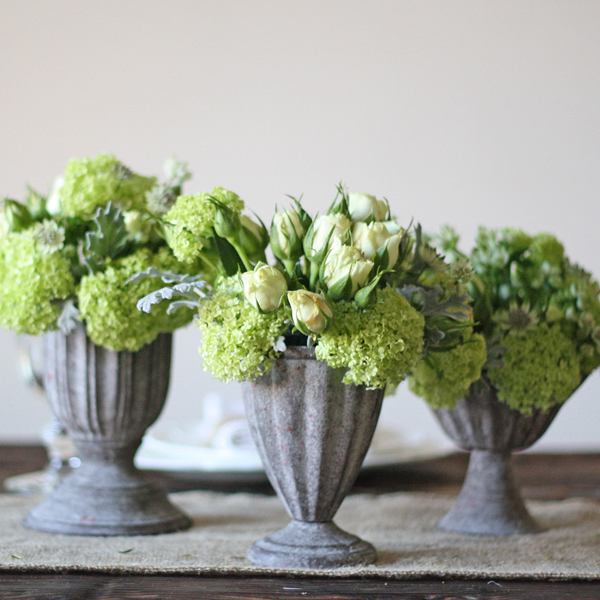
column 489, row 502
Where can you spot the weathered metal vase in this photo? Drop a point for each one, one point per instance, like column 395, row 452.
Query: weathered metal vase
column 312, row 432
column 106, row 400
column 490, row 502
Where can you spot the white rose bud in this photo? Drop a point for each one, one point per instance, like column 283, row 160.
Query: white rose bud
column 336, row 226
column 345, row 271
column 364, row 207
column 53, row 203
column 310, row 311
column 264, row 287
column 287, row 232
column 369, row 239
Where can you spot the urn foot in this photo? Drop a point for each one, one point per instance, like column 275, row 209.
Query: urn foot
column 106, row 499
column 489, row 502
column 306, row 545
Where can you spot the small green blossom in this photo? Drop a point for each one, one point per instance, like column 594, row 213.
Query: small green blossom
column 540, row 369
column 31, row 284
column 517, row 319
column 92, row 182
column 378, row 345
column 443, row 377
column 49, row 237
column 107, row 303
column 237, row 340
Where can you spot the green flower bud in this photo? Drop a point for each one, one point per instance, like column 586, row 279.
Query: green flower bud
column 310, row 311
column 254, row 238
column 227, row 222
column 264, row 287
column 17, row 215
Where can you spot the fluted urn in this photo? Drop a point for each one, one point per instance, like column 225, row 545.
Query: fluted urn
column 312, row 433
column 490, row 502
column 106, row 400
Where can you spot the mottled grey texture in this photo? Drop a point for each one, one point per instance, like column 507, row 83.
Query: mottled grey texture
column 490, row 502
column 402, row 526
column 106, row 400
column 312, row 432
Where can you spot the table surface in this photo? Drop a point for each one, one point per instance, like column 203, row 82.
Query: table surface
column 541, row 476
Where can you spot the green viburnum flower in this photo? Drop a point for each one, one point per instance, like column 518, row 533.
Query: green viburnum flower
column 540, row 368
column 444, row 377
column 378, row 345
column 92, row 182
column 108, row 304
column 192, row 218
column 31, row 284
column 237, row 340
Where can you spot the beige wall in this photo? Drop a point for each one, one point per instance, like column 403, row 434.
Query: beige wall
column 469, row 112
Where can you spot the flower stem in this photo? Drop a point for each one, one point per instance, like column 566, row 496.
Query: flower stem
column 242, row 254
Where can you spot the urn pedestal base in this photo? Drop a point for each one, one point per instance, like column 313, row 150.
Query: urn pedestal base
column 489, row 502
column 311, row 546
column 312, row 432
column 105, row 497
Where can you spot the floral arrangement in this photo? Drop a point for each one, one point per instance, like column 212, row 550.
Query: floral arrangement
column 539, row 315
column 67, row 258
column 369, row 295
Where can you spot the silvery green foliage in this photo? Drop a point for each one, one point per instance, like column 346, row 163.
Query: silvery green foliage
column 188, row 287
column 455, row 307
column 444, row 319
column 69, row 317
column 109, row 240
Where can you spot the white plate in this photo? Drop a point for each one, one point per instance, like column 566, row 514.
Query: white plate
column 160, row 452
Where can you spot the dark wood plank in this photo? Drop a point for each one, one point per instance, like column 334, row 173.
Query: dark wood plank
column 106, row 587
column 541, row 476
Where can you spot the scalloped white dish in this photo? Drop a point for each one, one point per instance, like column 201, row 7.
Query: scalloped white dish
column 166, row 450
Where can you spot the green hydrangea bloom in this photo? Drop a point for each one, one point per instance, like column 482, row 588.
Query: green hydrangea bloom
column 93, row 182
column 540, row 368
column 31, row 284
column 444, row 377
column 378, row 345
column 108, row 304
column 192, row 218
column 237, row 341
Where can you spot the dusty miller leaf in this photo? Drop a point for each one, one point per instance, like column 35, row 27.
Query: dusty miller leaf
column 166, row 276
column 456, row 307
column 69, row 317
column 109, row 240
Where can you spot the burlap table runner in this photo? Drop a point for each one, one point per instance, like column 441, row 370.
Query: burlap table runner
column 401, row 526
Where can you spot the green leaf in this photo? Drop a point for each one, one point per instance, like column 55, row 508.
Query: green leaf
column 109, row 240
column 230, row 259
column 363, row 296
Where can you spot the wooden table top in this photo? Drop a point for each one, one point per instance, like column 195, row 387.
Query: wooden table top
column 542, row 476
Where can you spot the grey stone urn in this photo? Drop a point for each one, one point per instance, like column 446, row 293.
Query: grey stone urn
column 312, row 433
column 490, row 502
column 106, row 400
